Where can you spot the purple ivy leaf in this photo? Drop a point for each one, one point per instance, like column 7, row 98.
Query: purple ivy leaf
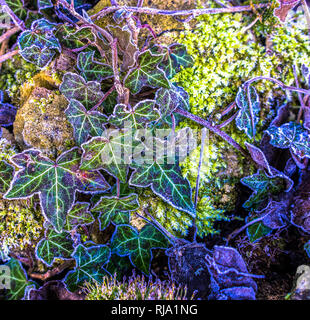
column 55, row 182
column 40, row 57
column 79, row 215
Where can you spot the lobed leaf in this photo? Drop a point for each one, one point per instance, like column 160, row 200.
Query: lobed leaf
column 18, row 7
column 55, row 182
column 79, row 215
column 291, row 135
column 75, row 87
column 40, row 57
column 54, row 245
column 127, row 241
column 115, row 210
column 146, row 73
column 85, row 123
column 89, row 265
column 93, row 70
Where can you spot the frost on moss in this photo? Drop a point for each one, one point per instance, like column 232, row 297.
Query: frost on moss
column 135, row 288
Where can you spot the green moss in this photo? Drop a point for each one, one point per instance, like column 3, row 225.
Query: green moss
column 135, row 288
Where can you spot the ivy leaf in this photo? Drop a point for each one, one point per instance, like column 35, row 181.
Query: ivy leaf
column 55, row 182
column 257, row 231
column 7, row 113
column 72, row 38
column 85, row 123
column 137, row 117
column 40, row 57
column 44, row 4
column 75, row 87
column 263, row 186
column 127, row 241
column 118, row 266
column 177, row 57
column 89, row 262
column 6, row 176
column 54, row 245
column 247, row 117
column 111, row 152
column 79, row 215
column 41, row 35
column 164, row 177
column 146, row 73
column 291, row 135
column 17, row 278
column 18, row 7
column 115, row 209
column 93, row 70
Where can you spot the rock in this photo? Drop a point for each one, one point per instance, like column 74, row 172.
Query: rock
column 301, row 288
column 41, row 123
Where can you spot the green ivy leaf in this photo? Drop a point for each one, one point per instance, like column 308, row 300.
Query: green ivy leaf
column 116, row 210
column 247, row 117
column 44, row 4
column 89, row 265
column 79, row 215
column 291, row 135
column 163, row 174
column 257, row 230
column 55, row 182
column 177, row 57
column 263, row 186
column 40, row 57
column 85, row 123
column 74, row 38
column 137, row 117
column 111, row 152
column 6, row 176
column 118, row 266
column 75, row 87
column 127, row 241
column 93, row 70
column 18, row 7
column 54, row 245
column 17, row 279
column 146, row 73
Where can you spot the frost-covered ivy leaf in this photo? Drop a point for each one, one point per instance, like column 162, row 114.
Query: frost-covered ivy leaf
column 263, row 186
column 6, row 176
column 307, row 248
column 85, row 123
column 116, row 210
column 127, row 241
column 40, row 57
column 93, row 70
column 177, row 57
column 72, row 38
column 291, row 135
column 7, row 113
column 137, row 117
column 163, row 174
column 55, row 182
column 75, row 87
column 146, row 73
column 247, row 117
column 170, row 99
column 271, row 218
column 54, row 245
column 111, row 152
column 41, row 35
column 17, row 279
column 18, row 7
column 44, row 4
column 89, row 265
column 79, row 215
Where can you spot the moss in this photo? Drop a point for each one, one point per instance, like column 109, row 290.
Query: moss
column 135, row 288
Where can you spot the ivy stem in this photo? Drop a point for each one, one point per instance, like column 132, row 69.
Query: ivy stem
column 8, row 55
column 228, row 121
column 213, row 128
column 174, row 13
column 103, row 98
column 19, row 23
column 118, row 188
column 278, row 82
column 8, row 34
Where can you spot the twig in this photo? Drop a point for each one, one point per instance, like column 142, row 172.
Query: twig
column 103, row 98
column 8, row 34
column 8, row 55
column 228, row 121
column 53, row 272
column 278, row 82
column 175, row 13
column 213, row 128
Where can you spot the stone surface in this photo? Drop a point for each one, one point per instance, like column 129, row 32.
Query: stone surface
column 301, row 288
